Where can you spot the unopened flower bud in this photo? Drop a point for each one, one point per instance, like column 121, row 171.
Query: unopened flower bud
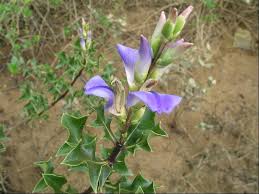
column 168, row 29
column 119, row 92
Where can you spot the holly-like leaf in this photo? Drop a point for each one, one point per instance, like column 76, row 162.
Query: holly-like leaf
column 139, row 191
column 40, row 186
column 158, row 131
column 144, row 144
column 74, row 125
column 64, row 149
column 54, row 181
column 45, row 166
column 102, row 121
column 98, row 174
column 80, row 168
column 120, row 166
column 139, row 133
column 94, row 174
column 138, row 185
column 105, row 173
column 82, row 153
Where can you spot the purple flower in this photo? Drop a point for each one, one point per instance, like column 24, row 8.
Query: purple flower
column 96, row 86
column 136, row 62
column 160, row 103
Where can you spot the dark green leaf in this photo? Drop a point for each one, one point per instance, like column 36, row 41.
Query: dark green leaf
column 157, row 130
column 64, row 149
column 94, row 174
column 144, row 144
column 80, row 154
column 40, row 186
column 74, row 125
column 79, row 168
column 45, row 166
column 120, row 165
column 54, row 181
column 139, row 190
column 105, row 172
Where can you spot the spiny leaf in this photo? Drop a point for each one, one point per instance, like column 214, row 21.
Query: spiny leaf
column 139, row 190
column 120, row 165
column 144, row 144
column 105, row 172
column 94, row 174
column 139, row 133
column 74, row 125
column 54, row 181
column 40, row 186
column 64, row 149
column 45, row 166
column 138, row 185
column 80, row 168
column 157, row 130
column 81, row 154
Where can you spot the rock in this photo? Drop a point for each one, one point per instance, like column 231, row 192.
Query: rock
column 242, row 39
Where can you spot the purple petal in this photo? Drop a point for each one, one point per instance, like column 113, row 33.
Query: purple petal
column 129, row 57
column 187, row 12
column 145, row 57
column 96, row 86
column 160, row 103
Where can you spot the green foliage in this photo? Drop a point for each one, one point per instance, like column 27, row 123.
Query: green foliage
column 211, row 4
column 2, row 138
column 139, row 133
column 49, row 178
column 105, row 122
column 138, row 185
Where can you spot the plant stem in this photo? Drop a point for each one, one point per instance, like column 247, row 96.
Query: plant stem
column 111, row 160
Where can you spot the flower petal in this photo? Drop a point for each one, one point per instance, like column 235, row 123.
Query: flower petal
column 96, row 86
column 159, row 25
column 145, row 57
column 129, row 57
column 160, row 103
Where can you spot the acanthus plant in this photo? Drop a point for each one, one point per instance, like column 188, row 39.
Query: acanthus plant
column 133, row 108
